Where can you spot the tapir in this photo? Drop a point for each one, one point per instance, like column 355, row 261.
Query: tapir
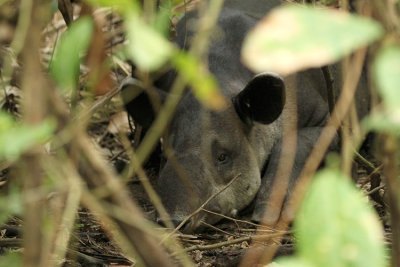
column 241, row 142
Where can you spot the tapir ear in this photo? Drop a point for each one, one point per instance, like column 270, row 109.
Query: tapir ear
column 262, row 99
column 140, row 104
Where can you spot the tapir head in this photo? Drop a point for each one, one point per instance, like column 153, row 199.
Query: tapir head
column 210, row 149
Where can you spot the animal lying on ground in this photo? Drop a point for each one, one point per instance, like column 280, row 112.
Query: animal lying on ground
column 242, row 142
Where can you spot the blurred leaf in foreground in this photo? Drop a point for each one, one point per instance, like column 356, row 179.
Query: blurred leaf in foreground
column 385, row 122
column 147, row 47
column 294, row 37
column 16, row 139
column 202, row 82
column 73, row 44
column 386, row 70
column 387, row 76
column 161, row 22
column 335, row 226
column 11, row 259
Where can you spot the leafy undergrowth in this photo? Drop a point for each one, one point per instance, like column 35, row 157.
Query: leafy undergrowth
column 220, row 245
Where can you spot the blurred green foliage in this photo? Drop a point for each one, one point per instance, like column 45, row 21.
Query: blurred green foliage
column 386, row 70
column 387, row 76
column 11, row 259
column 295, row 37
column 336, row 226
column 16, row 138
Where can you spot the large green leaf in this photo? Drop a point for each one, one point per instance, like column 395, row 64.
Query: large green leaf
column 387, row 76
column 147, row 47
column 161, row 22
column 385, row 122
column 16, row 139
column 386, row 70
column 73, row 44
column 296, row 37
column 336, row 226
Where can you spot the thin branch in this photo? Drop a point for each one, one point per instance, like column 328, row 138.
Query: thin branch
column 376, row 189
column 391, row 170
column 257, row 238
column 134, row 230
column 329, row 87
column 10, row 242
column 242, row 221
column 98, row 103
column 217, row 229
column 203, row 205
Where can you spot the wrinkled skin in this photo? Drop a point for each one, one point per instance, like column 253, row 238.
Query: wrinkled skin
column 244, row 141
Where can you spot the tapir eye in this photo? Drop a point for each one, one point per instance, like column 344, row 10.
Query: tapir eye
column 222, row 157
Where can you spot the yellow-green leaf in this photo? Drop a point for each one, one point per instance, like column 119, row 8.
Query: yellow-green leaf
column 296, row 37
column 203, row 84
column 147, row 48
column 387, row 76
column 336, row 226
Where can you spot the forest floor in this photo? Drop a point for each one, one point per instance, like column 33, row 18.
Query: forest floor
column 221, row 245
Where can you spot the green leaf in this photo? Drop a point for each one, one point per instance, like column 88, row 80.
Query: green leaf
column 386, row 70
column 387, row 75
column 204, row 85
column 16, row 139
column 294, row 37
column 147, row 47
column 11, row 259
column 11, row 204
column 73, row 44
column 336, row 226
column 385, row 122
column 162, row 21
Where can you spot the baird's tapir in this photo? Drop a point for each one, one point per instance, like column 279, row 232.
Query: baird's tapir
column 212, row 148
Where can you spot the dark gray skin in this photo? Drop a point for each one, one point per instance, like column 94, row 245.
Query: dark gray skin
column 212, row 148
